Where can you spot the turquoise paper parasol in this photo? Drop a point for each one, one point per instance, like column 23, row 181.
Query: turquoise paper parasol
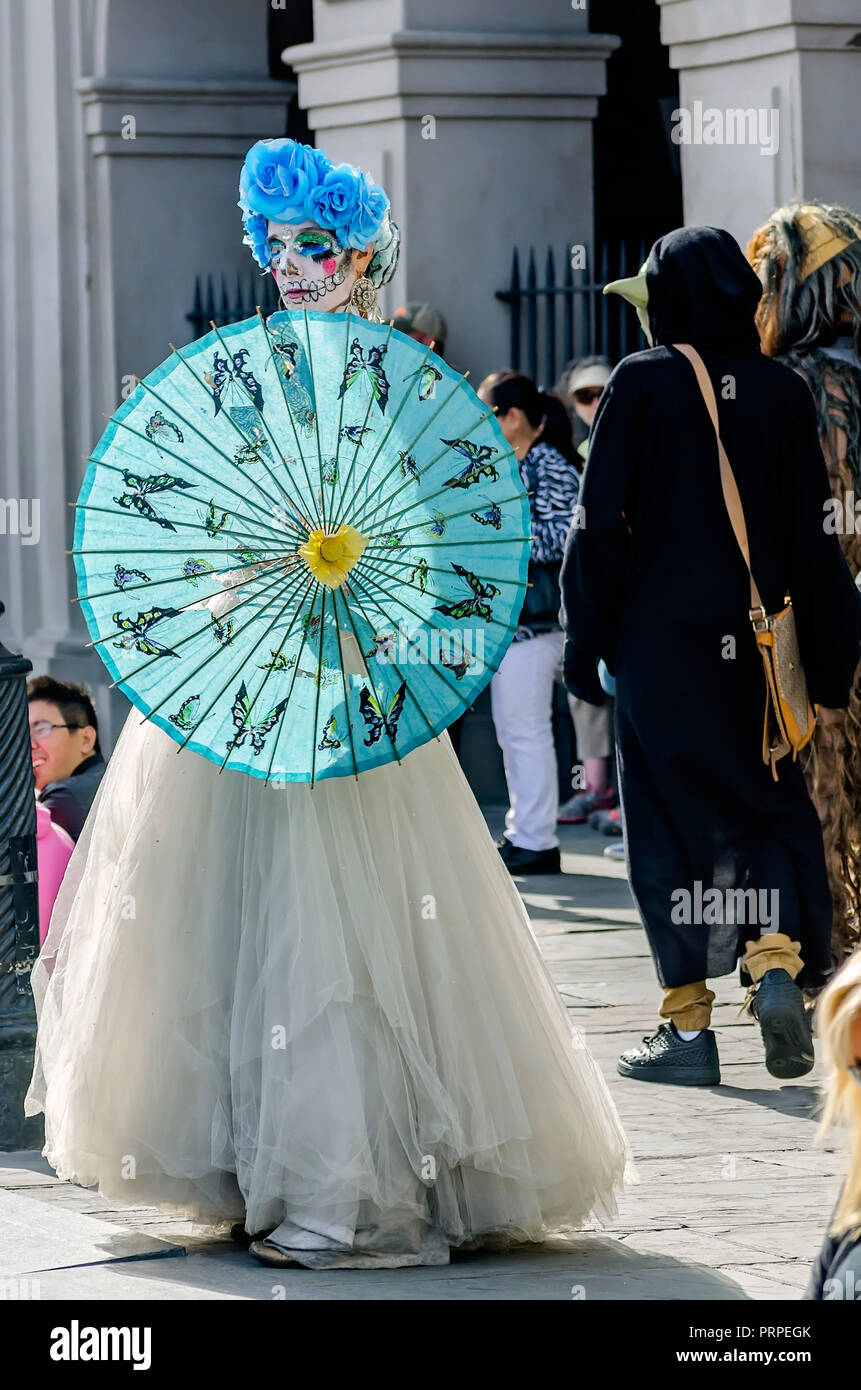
column 302, row 546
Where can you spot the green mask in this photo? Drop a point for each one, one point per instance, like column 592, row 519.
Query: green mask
column 636, row 291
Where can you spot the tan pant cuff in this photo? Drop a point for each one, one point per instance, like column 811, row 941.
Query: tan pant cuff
column 774, row 951
column 688, row 1006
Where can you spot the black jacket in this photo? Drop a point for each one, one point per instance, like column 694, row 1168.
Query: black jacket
column 654, row 583
column 70, row 799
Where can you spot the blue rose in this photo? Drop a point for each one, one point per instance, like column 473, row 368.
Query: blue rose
column 332, row 202
column 368, row 213
column 255, row 237
column 277, row 177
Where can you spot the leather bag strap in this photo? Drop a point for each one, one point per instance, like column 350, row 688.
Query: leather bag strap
column 728, row 483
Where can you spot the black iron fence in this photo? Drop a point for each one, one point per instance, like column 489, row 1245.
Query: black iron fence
column 563, row 318
column 219, row 307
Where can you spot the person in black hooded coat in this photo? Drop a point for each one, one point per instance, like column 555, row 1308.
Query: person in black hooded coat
column 654, row 582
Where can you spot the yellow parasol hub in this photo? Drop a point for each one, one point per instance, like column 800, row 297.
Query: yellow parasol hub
column 331, row 556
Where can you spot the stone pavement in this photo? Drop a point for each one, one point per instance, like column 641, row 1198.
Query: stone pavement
column 732, row 1200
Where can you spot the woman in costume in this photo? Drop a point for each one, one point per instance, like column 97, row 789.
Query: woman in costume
column 321, row 1012
column 808, row 258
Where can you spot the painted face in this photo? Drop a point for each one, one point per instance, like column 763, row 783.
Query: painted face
column 312, row 270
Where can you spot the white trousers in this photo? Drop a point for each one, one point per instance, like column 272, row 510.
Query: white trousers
column 521, row 701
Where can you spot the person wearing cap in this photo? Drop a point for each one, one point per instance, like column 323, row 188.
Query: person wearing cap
column 725, row 853
column 592, row 719
column 585, row 388
column 424, row 323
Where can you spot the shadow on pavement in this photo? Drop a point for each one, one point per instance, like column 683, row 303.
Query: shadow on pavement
column 801, row 1101
column 592, row 1268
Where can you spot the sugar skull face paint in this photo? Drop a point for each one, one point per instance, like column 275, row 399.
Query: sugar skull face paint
column 312, row 270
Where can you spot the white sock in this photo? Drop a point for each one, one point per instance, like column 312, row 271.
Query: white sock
column 687, row 1035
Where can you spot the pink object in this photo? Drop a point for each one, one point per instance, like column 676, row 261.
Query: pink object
column 53, row 851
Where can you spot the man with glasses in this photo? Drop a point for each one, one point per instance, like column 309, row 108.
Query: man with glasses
column 64, row 745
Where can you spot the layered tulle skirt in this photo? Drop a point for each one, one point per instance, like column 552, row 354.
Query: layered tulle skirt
column 318, row 1010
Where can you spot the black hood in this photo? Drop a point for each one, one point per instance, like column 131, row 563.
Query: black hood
column 702, row 291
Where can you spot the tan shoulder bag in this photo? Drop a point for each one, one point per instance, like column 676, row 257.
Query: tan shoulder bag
column 789, row 716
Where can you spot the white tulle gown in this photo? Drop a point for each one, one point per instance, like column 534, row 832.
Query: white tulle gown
column 320, row 1011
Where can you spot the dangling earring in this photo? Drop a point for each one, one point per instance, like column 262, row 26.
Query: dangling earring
column 363, row 298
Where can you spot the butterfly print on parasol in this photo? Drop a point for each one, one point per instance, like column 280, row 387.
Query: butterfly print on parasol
column 185, row 717
column 479, row 465
column 368, row 368
column 123, row 577
column 355, row 434
column 223, row 632
column 419, row 574
column 296, row 381
column 139, row 490
column 476, row 606
column 245, row 728
column 491, row 516
column 427, row 378
column 161, row 430
column 214, row 523
column 330, row 735
column 408, row 466
column 136, row 631
column 380, row 722
column 384, row 646
column 193, row 569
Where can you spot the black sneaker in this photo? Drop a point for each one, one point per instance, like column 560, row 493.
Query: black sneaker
column 778, row 1007
column 667, row 1057
column 529, row 861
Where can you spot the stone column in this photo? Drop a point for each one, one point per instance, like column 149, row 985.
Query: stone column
column 40, row 266
column 477, row 120
column 798, row 58
column 124, row 128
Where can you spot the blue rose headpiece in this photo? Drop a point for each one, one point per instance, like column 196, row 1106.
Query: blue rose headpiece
column 285, row 181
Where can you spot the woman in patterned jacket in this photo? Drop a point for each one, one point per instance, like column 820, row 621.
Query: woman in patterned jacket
column 536, row 426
